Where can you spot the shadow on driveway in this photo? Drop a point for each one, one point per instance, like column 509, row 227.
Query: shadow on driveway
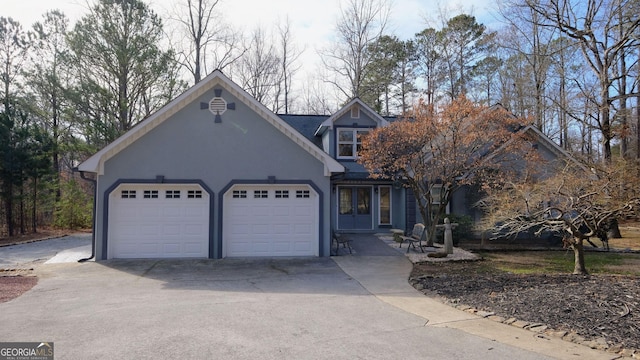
column 288, row 275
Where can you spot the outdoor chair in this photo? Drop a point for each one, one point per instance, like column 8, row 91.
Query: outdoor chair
column 339, row 238
column 416, row 236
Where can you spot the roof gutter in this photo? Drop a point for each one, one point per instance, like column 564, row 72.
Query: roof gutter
column 93, row 223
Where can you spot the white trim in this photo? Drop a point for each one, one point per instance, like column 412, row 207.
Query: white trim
column 328, row 124
column 354, row 142
column 95, row 163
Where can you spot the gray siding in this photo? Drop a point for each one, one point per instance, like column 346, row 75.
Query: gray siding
column 190, row 146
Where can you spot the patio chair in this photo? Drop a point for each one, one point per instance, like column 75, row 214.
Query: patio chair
column 416, row 236
column 339, row 238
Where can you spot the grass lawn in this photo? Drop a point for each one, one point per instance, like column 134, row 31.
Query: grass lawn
column 553, row 262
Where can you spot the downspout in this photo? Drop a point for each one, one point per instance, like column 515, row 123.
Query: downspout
column 93, row 223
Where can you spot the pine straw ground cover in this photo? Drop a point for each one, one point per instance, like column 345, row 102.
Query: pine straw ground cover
column 601, row 310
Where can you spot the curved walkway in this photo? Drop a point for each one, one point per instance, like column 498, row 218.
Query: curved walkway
column 385, row 275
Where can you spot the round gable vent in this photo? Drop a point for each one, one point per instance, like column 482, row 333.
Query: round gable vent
column 217, row 106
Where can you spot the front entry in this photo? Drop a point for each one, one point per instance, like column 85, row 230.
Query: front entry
column 354, row 208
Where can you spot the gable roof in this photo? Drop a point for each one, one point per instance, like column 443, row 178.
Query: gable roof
column 306, row 125
column 539, row 136
column 95, row 163
column 553, row 147
column 328, row 124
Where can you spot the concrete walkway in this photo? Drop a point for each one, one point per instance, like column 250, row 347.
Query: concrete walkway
column 385, row 276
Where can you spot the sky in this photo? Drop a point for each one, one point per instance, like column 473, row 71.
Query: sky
column 313, row 22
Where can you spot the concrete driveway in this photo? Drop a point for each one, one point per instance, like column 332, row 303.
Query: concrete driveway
column 246, row 309
column 65, row 249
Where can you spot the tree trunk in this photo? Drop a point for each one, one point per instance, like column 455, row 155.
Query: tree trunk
column 578, row 252
column 34, row 223
column 8, row 209
column 613, row 230
column 22, row 223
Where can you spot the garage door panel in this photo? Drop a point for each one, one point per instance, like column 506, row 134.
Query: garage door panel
column 194, row 211
column 280, row 210
column 148, row 229
column 193, row 229
column 303, row 211
column 158, row 227
column 172, row 212
column 261, row 211
column 172, row 249
column 276, row 223
column 261, row 229
column 302, row 229
column 146, row 212
column 302, row 246
column 281, row 229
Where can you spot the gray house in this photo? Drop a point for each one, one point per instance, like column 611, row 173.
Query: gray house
column 215, row 174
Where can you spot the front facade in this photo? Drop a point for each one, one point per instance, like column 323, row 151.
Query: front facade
column 359, row 204
column 213, row 174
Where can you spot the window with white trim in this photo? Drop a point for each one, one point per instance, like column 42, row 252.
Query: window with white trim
column 194, row 194
column 150, row 194
column 260, row 194
column 128, row 194
column 172, row 194
column 239, row 194
column 349, row 142
column 282, row 194
column 384, row 199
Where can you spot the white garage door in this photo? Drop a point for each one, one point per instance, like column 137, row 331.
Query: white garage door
column 158, row 221
column 270, row 220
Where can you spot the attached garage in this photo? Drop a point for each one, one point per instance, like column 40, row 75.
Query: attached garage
column 158, row 221
column 270, row 220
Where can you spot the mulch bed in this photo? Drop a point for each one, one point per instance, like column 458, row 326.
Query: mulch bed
column 13, row 286
column 591, row 306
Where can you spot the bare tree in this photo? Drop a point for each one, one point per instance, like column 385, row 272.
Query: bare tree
column 315, row 100
column 213, row 44
column 258, row 69
column 530, row 40
column 289, row 55
column 50, row 78
column 604, row 31
column 360, row 24
column 576, row 203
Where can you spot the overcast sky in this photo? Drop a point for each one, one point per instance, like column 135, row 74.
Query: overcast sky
column 313, row 22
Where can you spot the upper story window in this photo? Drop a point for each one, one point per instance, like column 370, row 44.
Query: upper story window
column 350, row 142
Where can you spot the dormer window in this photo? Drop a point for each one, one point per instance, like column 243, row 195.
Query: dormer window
column 350, row 142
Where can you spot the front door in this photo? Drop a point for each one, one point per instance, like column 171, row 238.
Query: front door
column 354, row 208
